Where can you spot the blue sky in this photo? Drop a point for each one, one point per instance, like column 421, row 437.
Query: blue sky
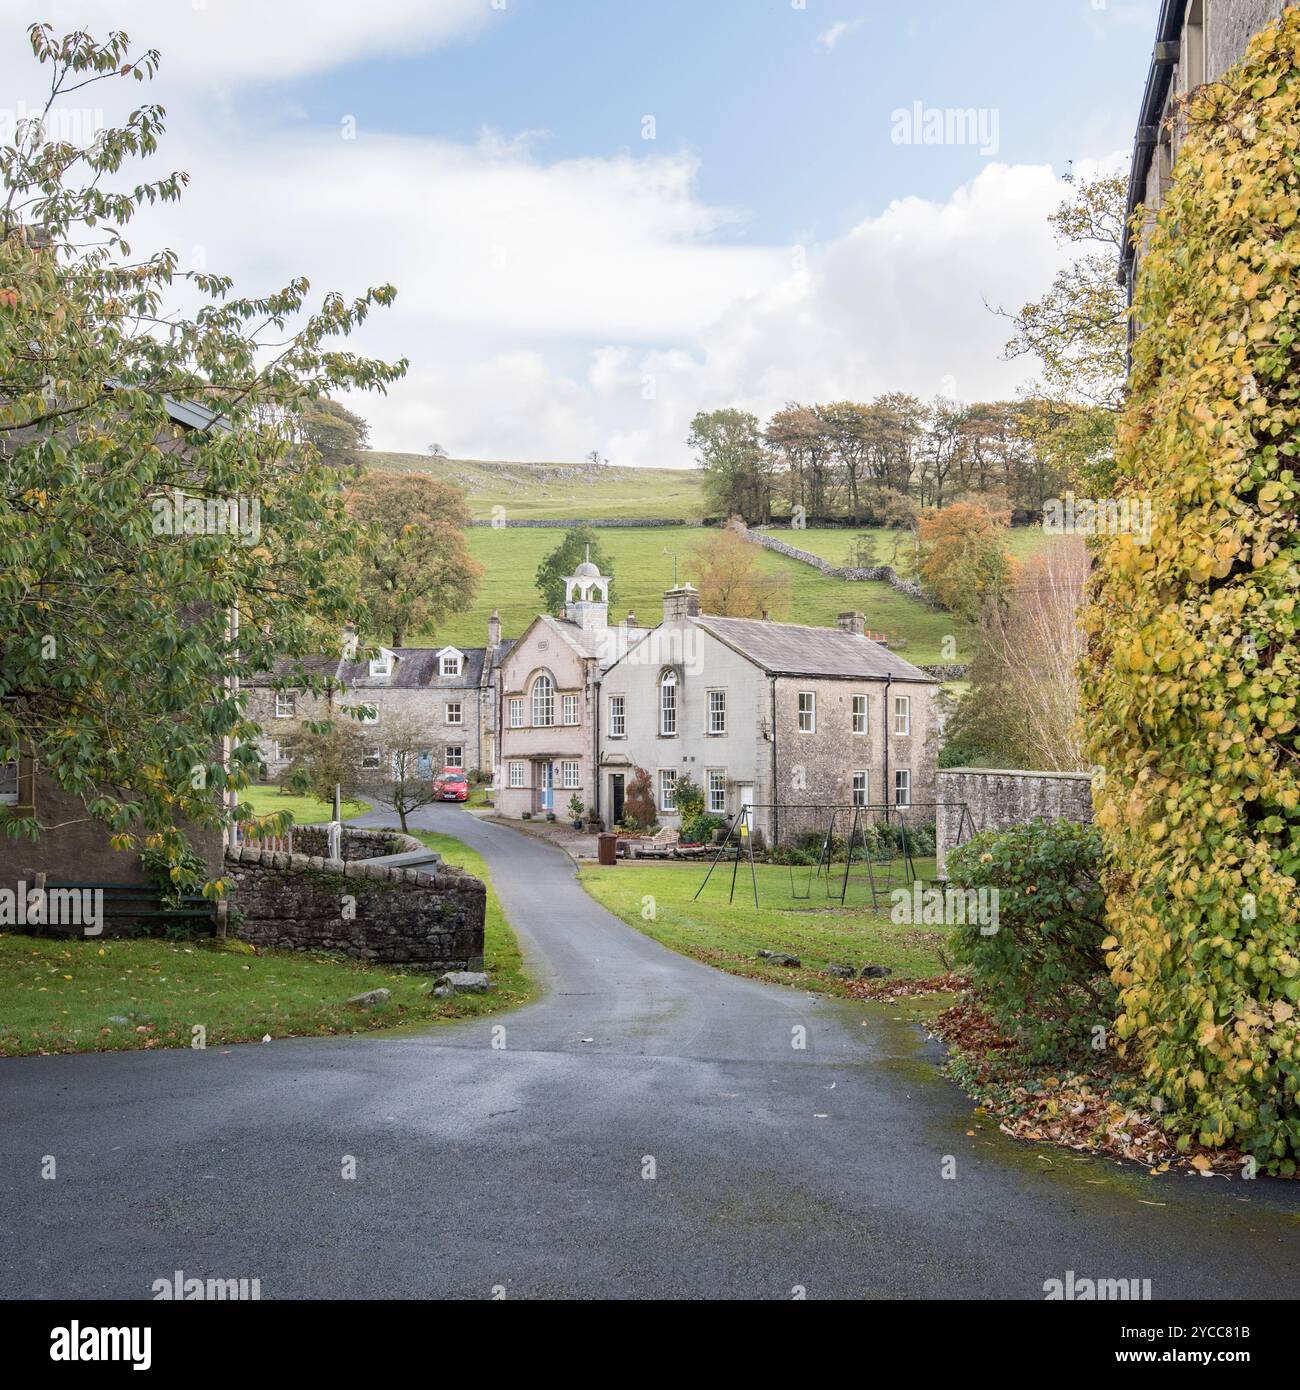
column 791, row 133
column 563, row 283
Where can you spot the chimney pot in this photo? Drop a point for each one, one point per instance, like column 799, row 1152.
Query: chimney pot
column 681, row 602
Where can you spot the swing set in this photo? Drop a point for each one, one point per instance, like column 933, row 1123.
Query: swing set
column 878, row 849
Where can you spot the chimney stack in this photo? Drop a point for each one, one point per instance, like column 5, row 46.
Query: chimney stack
column 494, row 629
column 681, row 602
column 855, row 623
column 631, row 619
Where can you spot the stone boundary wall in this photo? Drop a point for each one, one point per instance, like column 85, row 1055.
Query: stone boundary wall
column 996, row 798
column 886, row 573
column 610, row 523
column 429, row 920
column 313, row 841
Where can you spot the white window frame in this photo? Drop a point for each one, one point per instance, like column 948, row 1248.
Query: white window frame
column 618, row 716
column 372, row 759
column 668, row 704
column 667, row 789
column 568, row 703
column 570, row 776
column 382, row 665
column 7, row 797
column 861, row 787
column 515, row 775
column 717, row 711
column 458, row 716
column 902, row 786
column 861, row 715
column 902, row 716
column 807, row 714
column 715, row 787
column 286, row 704
column 449, row 664
column 459, row 760
column 516, row 711
column 545, row 687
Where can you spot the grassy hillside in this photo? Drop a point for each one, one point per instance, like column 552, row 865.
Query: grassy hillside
column 642, row 572
column 547, row 491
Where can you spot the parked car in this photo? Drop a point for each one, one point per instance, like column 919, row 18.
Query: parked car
column 451, row 784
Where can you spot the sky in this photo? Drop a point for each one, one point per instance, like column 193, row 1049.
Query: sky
column 603, row 216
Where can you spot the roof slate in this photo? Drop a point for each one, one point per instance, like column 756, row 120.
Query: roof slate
column 796, row 650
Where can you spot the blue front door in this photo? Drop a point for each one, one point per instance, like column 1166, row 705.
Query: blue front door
column 548, row 786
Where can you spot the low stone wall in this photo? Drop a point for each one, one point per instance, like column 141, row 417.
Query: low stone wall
column 432, row 921
column 996, row 798
column 597, row 523
column 885, row 573
column 313, row 840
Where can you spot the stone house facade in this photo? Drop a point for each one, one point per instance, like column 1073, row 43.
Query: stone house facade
column 447, row 693
column 788, row 720
column 547, row 716
column 1197, row 41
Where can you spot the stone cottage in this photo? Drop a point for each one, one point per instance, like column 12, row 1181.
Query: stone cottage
column 548, row 686
column 782, row 718
column 448, row 692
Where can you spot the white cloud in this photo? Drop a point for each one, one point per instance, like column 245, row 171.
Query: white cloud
column 231, row 41
column 828, row 38
column 552, row 306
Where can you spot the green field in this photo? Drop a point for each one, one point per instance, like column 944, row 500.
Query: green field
column 834, row 543
column 729, row 935
column 559, row 491
column 642, row 572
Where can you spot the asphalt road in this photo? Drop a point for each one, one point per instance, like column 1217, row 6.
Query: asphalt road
column 528, row 1167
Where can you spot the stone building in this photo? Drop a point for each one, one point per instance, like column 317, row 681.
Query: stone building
column 788, row 720
column 1197, row 41
column 448, row 693
column 548, row 686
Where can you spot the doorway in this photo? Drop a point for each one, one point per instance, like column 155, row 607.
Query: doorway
column 616, row 798
column 548, row 787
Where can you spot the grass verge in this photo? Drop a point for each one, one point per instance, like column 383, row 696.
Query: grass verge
column 729, row 935
column 306, row 810
column 119, row 995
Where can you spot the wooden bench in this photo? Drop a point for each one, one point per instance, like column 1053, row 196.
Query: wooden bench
column 142, row 902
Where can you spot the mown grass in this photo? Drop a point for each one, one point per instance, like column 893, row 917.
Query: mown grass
column 728, row 935
column 306, row 810
column 119, row 995
column 642, row 571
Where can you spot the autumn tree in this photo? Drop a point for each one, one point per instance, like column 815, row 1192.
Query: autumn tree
column 339, row 435
column 415, row 564
column 327, row 754
column 728, row 572
column 962, row 557
column 580, row 543
column 736, row 464
column 127, row 636
column 1078, row 331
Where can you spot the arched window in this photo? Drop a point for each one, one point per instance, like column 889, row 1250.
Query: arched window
column 543, row 700
column 668, row 702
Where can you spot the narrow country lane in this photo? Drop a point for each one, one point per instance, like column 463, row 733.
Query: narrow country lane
column 774, row 1168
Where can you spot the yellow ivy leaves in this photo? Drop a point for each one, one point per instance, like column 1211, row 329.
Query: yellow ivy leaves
column 1193, row 665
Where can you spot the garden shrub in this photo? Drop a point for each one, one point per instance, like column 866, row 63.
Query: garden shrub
column 638, row 801
column 1042, row 972
column 1192, row 670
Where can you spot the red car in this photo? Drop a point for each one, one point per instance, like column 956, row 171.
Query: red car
column 451, row 784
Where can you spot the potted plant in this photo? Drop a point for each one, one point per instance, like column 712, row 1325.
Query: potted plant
column 576, row 810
